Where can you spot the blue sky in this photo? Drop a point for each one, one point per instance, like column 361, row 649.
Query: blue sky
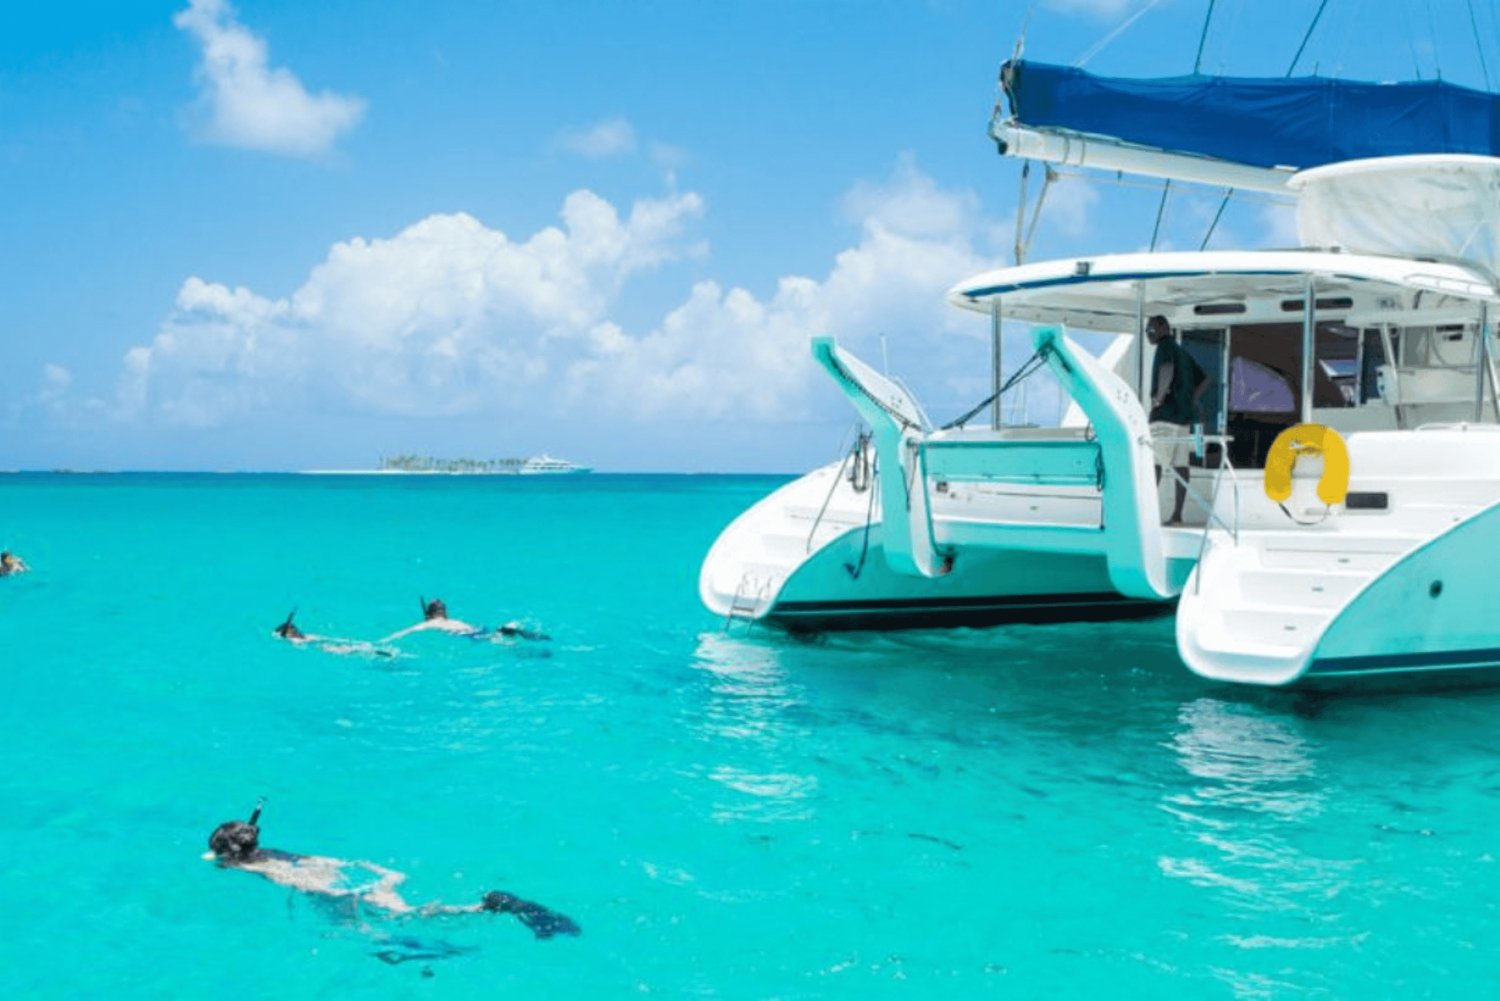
column 278, row 235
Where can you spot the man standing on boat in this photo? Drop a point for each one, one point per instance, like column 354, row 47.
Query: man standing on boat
column 1177, row 384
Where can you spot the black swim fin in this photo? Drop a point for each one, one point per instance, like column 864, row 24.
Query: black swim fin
column 543, row 923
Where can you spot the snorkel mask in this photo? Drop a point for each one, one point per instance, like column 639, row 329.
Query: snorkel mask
column 236, row 840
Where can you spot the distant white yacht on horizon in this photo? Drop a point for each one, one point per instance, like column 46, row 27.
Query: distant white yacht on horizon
column 544, row 464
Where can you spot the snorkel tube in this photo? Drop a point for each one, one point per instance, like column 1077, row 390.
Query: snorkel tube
column 286, row 626
column 260, row 803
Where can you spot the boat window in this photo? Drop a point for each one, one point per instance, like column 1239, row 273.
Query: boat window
column 1264, row 394
column 1337, row 354
column 1448, row 346
column 1339, row 302
column 1259, row 389
column 1218, row 308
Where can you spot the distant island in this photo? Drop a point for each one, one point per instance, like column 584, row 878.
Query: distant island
column 515, row 467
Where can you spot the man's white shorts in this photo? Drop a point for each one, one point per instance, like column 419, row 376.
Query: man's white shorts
column 1170, row 452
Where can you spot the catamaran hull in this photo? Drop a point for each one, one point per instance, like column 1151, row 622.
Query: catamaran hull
column 1395, row 598
column 1430, row 618
column 809, row 558
column 985, row 588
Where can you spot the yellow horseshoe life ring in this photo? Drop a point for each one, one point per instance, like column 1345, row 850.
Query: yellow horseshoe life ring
column 1308, row 439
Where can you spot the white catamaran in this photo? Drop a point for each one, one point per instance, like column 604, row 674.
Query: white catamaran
column 1348, row 485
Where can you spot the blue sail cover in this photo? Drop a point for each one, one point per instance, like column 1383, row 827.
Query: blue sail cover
column 1298, row 122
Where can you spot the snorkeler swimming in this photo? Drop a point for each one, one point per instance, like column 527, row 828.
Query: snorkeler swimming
column 328, row 644
column 11, row 564
column 435, row 617
column 288, row 629
column 235, row 844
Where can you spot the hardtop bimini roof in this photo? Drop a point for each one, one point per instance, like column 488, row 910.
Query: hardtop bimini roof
column 1110, row 292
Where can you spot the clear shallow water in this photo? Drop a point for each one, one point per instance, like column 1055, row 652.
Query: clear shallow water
column 1008, row 811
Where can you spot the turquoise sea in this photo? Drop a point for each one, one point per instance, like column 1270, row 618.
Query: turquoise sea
column 1018, row 812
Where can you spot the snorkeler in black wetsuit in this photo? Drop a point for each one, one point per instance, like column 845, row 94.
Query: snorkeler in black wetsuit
column 235, row 844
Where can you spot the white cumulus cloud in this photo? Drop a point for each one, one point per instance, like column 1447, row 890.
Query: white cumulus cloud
column 911, row 202
column 446, row 317
column 250, row 104
column 612, row 137
column 726, row 352
column 450, row 317
column 55, row 382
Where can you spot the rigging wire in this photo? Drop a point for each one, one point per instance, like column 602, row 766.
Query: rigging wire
column 1107, row 39
column 1207, row 18
column 1021, row 209
column 1028, row 368
column 1437, row 57
column 1161, row 210
column 1478, row 45
column 1025, row 23
column 1228, row 193
column 1411, row 40
column 855, row 569
column 1023, row 247
column 1307, row 37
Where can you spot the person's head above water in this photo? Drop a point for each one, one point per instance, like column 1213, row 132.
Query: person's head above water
column 236, row 840
column 288, row 629
column 435, row 609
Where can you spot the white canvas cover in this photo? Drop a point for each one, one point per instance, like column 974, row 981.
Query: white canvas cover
column 1445, row 207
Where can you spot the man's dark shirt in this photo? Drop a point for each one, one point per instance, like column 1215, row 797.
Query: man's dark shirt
column 1178, row 407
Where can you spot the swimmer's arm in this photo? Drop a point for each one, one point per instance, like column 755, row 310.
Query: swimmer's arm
column 399, row 633
column 442, row 625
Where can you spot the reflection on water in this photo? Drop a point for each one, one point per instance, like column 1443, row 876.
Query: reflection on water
column 743, row 721
column 748, row 690
column 1243, row 759
column 1252, row 796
